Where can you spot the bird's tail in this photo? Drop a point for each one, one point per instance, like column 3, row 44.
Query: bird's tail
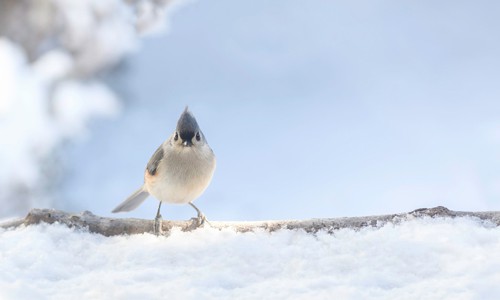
column 132, row 201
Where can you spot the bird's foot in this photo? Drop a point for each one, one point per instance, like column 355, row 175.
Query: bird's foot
column 200, row 220
column 157, row 230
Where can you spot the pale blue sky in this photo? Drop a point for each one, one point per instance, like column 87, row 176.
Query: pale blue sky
column 314, row 109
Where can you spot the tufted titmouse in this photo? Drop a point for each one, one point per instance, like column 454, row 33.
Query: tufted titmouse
column 178, row 172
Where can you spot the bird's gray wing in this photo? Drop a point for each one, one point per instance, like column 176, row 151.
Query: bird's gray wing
column 154, row 161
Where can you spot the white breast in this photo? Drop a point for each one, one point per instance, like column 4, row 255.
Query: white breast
column 182, row 175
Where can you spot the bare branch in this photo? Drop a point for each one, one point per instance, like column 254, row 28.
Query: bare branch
column 112, row 226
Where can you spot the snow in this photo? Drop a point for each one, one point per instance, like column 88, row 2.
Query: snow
column 50, row 92
column 417, row 259
column 76, row 102
column 37, row 115
column 52, row 87
column 24, row 100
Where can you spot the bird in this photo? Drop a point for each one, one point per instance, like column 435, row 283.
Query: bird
column 178, row 172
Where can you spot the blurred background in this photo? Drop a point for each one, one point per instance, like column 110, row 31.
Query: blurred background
column 314, row 109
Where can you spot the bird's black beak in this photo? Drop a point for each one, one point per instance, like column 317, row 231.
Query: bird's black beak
column 187, row 143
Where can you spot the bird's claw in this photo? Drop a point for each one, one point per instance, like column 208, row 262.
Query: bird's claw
column 200, row 220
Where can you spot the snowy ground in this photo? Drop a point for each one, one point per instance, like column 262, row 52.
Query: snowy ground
column 419, row 259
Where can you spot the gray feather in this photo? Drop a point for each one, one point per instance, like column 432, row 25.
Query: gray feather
column 154, row 161
column 132, row 201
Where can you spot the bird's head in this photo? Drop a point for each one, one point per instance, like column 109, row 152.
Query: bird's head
column 187, row 132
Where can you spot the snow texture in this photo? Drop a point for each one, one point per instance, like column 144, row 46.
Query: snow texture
column 425, row 258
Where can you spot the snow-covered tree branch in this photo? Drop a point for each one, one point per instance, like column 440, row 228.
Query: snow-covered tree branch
column 116, row 226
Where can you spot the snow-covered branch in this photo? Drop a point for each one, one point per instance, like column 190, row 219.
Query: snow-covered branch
column 113, row 226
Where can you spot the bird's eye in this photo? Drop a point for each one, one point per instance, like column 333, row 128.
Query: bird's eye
column 198, row 137
column 176, row 136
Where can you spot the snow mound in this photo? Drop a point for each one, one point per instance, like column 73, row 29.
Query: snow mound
column 418, row 259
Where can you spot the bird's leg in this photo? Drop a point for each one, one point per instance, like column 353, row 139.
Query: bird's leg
column 157, row 224
column 201, row 219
